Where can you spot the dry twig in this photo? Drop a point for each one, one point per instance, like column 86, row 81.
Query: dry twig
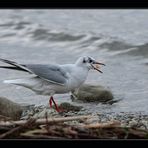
column 17, row 129
column 44, row 121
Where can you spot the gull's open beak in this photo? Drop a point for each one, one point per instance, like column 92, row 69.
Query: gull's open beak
column 96, row 66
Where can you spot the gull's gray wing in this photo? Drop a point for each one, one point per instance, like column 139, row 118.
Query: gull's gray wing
column 51, row 73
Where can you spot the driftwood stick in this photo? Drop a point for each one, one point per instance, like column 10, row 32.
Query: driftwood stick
column 103, row 125
column 4, row 135
column 17, row 129
column 44, row 121
column 4, row 118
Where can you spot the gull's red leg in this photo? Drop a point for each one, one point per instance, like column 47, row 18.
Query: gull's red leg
column 52, row 100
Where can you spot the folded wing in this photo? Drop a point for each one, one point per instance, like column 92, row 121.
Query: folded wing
column 51, row 73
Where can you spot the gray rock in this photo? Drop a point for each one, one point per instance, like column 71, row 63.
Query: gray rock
column 91, row 93
column 69, row 107
column 10, row 109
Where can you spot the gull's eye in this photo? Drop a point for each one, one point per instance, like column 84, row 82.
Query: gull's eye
column 90, row 61
column 84, row 61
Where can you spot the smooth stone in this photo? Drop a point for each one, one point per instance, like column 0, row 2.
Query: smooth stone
column 10, row 109
column 69, row 107
column 91, row 93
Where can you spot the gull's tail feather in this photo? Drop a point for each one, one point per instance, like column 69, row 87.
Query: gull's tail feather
column 25, row 82
column 16, row 81
column 7, row 81
column 16, row 65
column 13, row 68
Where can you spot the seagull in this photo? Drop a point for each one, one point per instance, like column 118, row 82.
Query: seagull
column 53, row 79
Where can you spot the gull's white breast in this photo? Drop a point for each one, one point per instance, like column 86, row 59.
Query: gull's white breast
column 77, row 77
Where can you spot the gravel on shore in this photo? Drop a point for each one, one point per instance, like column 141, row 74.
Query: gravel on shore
column 128, row 119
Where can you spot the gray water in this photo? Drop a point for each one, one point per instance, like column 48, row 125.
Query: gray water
column 119, row 38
